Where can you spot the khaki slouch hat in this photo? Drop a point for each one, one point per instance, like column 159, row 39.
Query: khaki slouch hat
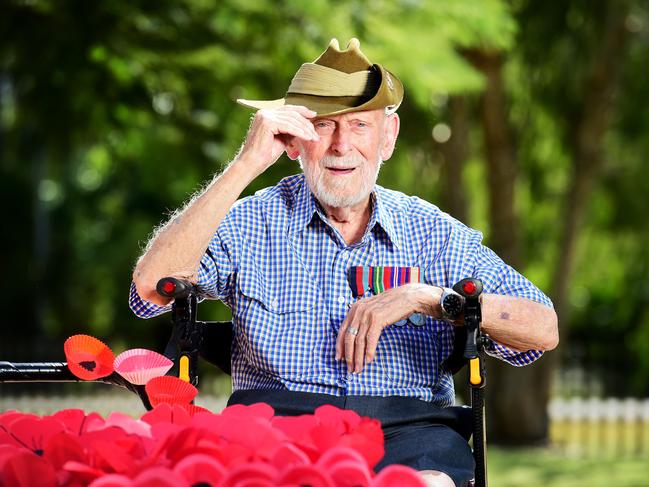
column 339, row 82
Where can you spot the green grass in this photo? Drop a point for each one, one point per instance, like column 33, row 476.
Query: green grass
column 546, row 467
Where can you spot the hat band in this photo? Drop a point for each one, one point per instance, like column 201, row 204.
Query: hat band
column 315, row 79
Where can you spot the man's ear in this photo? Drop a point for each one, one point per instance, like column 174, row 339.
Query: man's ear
column 390, row 134
column 293, row 148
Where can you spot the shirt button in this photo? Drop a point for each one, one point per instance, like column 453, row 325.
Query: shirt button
column 274, row 303
column 341, row 299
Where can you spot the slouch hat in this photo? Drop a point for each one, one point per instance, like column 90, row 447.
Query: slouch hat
column 339, row 81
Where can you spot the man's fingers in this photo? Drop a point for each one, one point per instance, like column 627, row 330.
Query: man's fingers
column 307, row 112
column 350, row 344
column 359, row 349
column 302, row 128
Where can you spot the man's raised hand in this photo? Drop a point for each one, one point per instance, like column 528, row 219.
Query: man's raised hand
column 270, row 132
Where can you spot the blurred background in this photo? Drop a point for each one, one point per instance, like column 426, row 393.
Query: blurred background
column 525, row 119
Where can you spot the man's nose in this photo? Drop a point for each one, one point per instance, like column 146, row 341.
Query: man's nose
column 340, row 142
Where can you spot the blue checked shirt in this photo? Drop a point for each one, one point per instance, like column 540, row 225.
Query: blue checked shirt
column 281, row 267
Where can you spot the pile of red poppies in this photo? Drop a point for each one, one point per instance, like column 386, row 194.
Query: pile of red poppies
column 181, row 444
column 175, row 445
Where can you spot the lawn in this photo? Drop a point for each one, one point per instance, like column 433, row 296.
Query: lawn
column 547, row 467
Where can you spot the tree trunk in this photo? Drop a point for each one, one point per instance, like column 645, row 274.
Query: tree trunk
column 590, row 127
column 525, row 390
column 454, row 153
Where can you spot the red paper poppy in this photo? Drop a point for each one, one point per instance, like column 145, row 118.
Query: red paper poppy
column 26, row 469
column 288, row 454
column 339, row 454
column 200, row 469
column 398, row 476
column 62, row 448
column 194, row 409
column 257, row 410
column 112, row 480
column 77, row 422
column 169, row 389
column 296, row 427
column 350, row 474
column 251, row 473
column 33, row 433
column 88, row 358
column 332, row 415
column 311, row 475
column 167, row 414
column 158, row 477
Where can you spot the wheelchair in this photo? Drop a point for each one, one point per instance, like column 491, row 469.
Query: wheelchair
column 192, row 340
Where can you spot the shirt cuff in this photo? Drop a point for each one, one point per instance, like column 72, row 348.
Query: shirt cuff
column 514, row 357
column 142, row 308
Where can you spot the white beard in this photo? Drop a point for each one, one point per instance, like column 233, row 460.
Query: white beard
column 331, row 193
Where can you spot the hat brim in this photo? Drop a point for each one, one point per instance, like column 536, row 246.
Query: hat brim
column 389, row 94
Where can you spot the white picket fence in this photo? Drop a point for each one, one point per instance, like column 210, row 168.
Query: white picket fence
column 600, row 426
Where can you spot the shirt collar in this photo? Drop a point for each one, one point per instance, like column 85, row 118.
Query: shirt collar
column 305, row 207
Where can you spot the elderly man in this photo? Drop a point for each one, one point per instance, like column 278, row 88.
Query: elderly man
column 337, row 286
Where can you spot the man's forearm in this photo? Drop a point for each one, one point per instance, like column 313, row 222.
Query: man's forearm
column 519, row 323
column 176, row 249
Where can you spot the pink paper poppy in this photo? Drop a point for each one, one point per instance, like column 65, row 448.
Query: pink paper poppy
column 170, row 390
column 88, row 358
column 139, row 365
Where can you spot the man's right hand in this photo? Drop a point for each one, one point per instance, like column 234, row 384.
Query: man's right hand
column 270, row 132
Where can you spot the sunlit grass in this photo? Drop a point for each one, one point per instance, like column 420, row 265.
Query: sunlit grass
column 547, row 467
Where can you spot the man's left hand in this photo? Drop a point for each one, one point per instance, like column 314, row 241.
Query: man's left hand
column 359, row 333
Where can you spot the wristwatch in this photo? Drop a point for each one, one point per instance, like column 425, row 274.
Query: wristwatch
column 452, row 304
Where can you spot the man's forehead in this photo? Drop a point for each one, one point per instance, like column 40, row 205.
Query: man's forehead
column 363, row 115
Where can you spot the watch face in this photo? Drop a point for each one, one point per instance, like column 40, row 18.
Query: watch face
column 452, row 305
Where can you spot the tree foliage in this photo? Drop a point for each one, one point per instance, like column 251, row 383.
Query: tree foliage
column 113, row 113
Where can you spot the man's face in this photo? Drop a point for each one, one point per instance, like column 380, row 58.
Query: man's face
column 342, row 167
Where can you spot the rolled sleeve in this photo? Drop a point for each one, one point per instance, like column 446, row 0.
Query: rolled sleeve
column 216, row 268
column 500, row 278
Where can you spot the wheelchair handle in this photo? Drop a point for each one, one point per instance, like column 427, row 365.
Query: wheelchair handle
column 471, row 289
column 170, row 287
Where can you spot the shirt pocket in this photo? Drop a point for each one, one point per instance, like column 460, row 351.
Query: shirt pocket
column 278, row 325
column 407, row 356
